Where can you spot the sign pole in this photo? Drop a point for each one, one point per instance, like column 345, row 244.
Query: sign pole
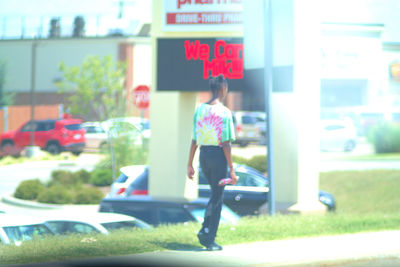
column 268, row 79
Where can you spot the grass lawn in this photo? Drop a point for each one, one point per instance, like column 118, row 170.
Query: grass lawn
column 366, row 201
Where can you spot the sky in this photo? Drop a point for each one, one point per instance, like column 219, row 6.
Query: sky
column 102, row 15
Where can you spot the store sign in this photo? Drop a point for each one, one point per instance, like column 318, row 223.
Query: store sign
column 186, row 64
column 395, row 71
column 227, row 58
column 202, row 15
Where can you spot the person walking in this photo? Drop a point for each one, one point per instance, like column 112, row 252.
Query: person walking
column 213, row 131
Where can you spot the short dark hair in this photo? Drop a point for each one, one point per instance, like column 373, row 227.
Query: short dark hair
column 216, row 83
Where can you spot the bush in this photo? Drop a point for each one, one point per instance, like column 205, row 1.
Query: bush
column 56, row 194
column 239, row 160
column 82, row 176
column 62, row 177
column 258, row 162
column 88, row 196
column 101, row 177
column 385, row 137
column 29, row 189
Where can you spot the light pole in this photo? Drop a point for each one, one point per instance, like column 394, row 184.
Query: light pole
column 268, row 79
column 32, row 150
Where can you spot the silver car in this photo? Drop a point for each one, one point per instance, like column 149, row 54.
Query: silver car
column 98, row 222
column 15, row 229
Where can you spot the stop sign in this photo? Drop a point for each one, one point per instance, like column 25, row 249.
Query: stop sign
column 141, row 96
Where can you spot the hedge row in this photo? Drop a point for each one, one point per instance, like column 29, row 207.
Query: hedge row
column 258, row 162
column 66, row 187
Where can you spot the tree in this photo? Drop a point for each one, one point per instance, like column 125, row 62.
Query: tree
column 97, row 87
column 79, row 27
column 6, row 98
column 55, row 29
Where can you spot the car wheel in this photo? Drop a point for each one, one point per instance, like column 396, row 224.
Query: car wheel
column 53, row 148
column 243, row 144
column 8, row 148
column 349, row 146
column 76, row 153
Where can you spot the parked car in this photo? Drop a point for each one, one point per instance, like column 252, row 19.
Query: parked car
column 98, row 222
column 15, row 229
column 337, row 135
column 244, row 198
column 53, row 136
column 163, row 211
column 128, row 175
column 135, row 128
column 249, row 127
column 96, row 135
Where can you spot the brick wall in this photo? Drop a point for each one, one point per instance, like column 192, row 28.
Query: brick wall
column 18, row 115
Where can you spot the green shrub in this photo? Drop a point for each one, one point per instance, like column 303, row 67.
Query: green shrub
column 88, row 196
column 82, row 176
column 239, row 160
column 62, row 177
column 56, row 194
column 385, row 137
column 101, row 177
column 258, row 162
column 29, row 189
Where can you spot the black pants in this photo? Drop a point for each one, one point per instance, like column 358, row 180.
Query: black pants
column 214, row 166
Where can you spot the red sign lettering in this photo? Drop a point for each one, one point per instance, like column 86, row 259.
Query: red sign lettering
column 228, row 58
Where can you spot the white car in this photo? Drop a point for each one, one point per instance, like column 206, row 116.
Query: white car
column 337, row 135
column 127, row 176
column 15, row 229
column 99, row 222
column 96, row 136
column 137, row 128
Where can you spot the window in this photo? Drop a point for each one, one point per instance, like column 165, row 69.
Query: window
column 29, row 127
column 119, row 225
column 83, row 228
column 246, row 179
column 45, row 126
column 173, row 215
column 122, row 178
column 248, row 120
column 26, row 232
column 58, row 227
column 73, row 127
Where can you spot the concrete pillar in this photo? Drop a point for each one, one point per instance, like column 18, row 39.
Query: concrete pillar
column 295, row 97
column 296, row 110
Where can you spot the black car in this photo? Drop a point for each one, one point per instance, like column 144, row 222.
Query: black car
column 163, row 211
column 244, row 198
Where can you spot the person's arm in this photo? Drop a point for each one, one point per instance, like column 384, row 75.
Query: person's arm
column 226, row 146
column 190, row 170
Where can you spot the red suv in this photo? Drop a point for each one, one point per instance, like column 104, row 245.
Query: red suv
column 54, row 136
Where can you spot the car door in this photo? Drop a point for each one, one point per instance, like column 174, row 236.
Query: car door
column 247, row 195
column 23, row 136
column 42, row 132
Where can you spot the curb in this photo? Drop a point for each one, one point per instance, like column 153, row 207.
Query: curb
column 29, row 204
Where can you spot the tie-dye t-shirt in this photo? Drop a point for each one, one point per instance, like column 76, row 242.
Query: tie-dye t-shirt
column 213, row 125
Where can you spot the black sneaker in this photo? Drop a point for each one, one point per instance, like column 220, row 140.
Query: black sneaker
column 204, row 238
column 214, row 247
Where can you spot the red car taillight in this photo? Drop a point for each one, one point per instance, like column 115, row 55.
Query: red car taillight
column 238, row 128
column 120, row 191
column 139, row 192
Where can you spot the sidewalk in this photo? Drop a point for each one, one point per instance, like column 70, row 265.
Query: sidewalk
column 362, row 249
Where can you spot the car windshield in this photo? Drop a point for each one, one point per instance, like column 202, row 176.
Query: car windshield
column 16, row 234
column 123, row 224
column 227, row 215
column 73, row 127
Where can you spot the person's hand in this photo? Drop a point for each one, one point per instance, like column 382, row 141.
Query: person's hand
column 233, row 176
column 190, row 172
